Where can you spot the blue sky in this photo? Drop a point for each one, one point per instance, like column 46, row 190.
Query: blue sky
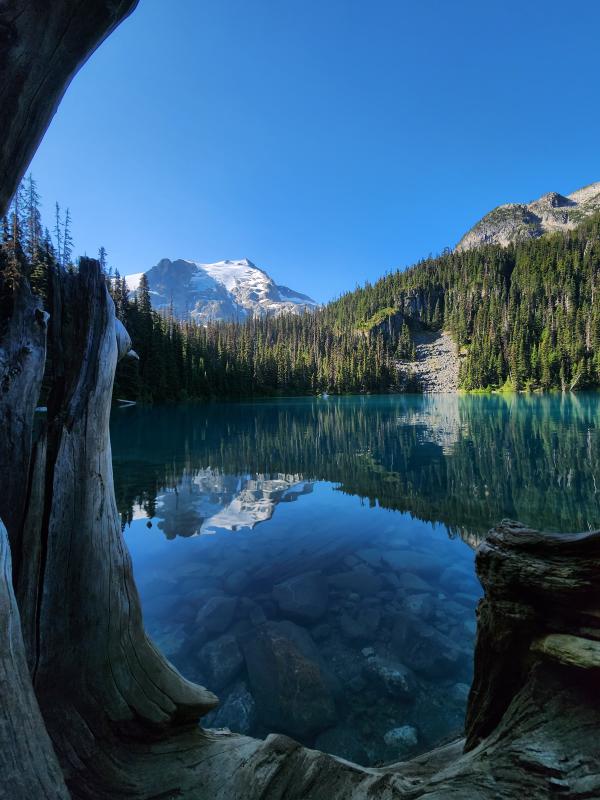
column 329, row 141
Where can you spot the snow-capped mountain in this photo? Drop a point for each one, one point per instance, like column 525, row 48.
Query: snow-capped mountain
column 224, row 290
column 514, row 222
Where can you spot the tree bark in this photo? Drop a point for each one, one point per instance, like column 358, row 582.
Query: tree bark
column 28, row 766
column 22, row 359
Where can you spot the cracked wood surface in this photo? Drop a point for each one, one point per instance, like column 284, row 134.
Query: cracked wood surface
column 28, row 766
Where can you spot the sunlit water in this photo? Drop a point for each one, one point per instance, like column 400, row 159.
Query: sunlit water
column 311, row 560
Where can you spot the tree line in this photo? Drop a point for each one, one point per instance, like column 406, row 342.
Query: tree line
column 523, row 317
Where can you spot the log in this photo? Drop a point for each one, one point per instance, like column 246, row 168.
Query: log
column 535, row 584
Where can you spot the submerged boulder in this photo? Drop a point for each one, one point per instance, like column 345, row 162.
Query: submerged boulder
column 293, row 691
column 391, row 676
column 423, row 648
column 303, row 597
column 221, row 660
column 361, row 625
column 427, row 564
column 361, row 580
column 216, row 614
column 402, row 740
column 236, row 712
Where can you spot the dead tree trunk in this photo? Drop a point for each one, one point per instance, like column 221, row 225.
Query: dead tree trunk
column 94, row 670
column 28, row 765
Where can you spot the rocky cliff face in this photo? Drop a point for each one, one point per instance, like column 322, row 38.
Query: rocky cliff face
column 224, row 290
column 514, row 222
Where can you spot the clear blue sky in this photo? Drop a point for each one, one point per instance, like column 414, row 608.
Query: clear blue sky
column 327, row 140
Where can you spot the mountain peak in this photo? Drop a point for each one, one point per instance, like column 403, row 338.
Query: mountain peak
column 243, row 262
column 513, row 222
column 228, row 290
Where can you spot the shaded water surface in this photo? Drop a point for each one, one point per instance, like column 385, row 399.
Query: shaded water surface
column 311, row 560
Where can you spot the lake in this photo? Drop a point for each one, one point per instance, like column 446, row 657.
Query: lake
column 312, row 560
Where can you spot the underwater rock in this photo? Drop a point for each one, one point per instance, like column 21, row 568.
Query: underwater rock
column 402, row 739
column 303, row 597
column 371, row 556
column 458, row 578
column 222, row 660
column 217, row 614
column 321, row 632
column 393, row 677
column 292, row 690
column 362, row 581
column 412, row 582
column 361, row 625
column 236, row 712
column 237, row 581
column 426, row 564
column 421, row 605
column 423, row 648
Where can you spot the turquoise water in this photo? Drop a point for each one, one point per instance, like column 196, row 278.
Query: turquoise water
column 311, row 560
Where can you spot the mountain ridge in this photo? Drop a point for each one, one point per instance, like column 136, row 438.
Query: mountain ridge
column 229, row 290
column 514, row 222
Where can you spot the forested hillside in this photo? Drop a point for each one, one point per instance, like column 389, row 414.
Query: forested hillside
column 526, row 316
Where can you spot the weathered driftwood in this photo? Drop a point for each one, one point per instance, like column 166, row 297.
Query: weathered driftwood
column 22, row 359
column 42, row 45
column 28, row 766
column 538, row 586
column 93, row 666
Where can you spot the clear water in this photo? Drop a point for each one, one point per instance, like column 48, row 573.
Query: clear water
column 311, row 560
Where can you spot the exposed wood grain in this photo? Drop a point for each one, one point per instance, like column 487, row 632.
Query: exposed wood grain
column 22, row 358
column 28, row 766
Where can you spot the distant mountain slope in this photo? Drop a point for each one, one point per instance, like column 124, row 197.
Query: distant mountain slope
column 224, row 290
column 518, row 221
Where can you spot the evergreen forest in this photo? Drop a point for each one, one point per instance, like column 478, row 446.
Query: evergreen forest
column 525, row 317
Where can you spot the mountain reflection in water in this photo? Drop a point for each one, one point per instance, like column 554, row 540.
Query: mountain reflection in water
column 464, row 461
column 311, row 560
column 205, row 501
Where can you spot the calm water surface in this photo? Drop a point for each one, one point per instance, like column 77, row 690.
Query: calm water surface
column 311, row 560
